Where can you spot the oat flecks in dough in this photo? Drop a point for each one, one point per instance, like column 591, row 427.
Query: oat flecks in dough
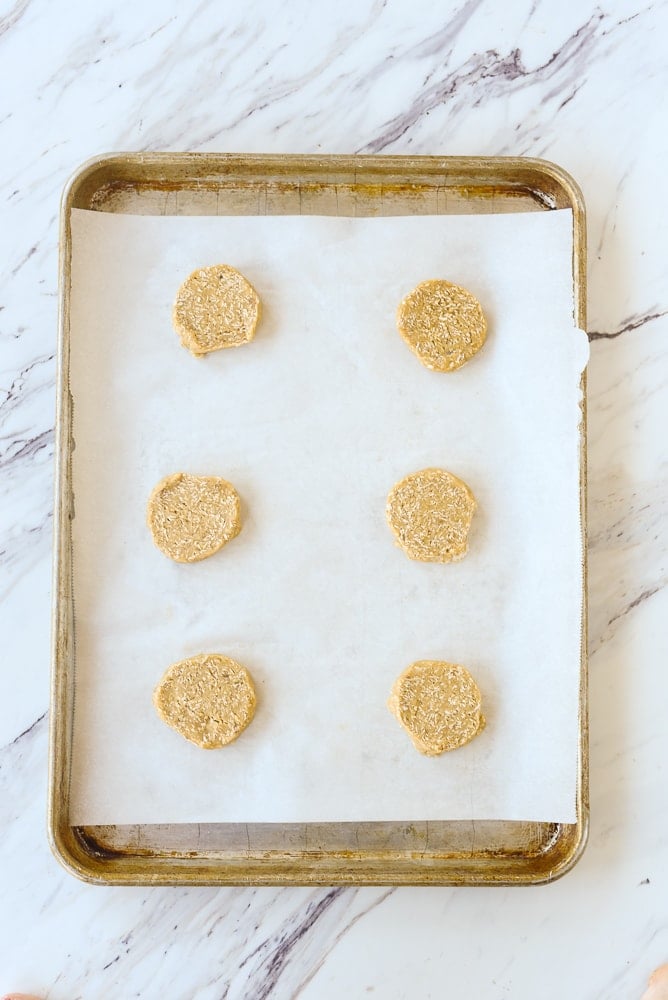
column 442, row 323
column 215, row 307
column 438, row 704
column 209, row 699
column 191, row 517
column 430, row 514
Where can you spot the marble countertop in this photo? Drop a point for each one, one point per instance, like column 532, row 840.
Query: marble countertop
column 584, row 85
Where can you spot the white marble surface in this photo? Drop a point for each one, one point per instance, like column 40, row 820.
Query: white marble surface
column 580, row 84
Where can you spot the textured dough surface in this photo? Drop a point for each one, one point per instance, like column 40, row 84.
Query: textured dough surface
column 430, row 514
column 191, row 517
column 442, row 323
column 438, row 704
column 215, row 307
column 209, row 699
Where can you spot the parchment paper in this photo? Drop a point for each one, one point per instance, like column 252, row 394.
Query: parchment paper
column 314, row 422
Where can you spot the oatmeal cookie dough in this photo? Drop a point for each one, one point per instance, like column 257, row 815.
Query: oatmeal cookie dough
column 208, row 699
column 438, row 704
column 442, row 323
column 215, row 307
column 191, row 517
column 430, row 514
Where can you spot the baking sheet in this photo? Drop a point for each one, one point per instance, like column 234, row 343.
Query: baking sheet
column 314, row 422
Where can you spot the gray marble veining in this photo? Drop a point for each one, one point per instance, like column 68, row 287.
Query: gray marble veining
column 582, row 84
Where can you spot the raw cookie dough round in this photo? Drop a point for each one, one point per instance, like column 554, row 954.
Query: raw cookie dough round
column 442, row 323
column 438, row 704
column 209, row 699
column 215, row 307
column 191, row 517
column 430, row 514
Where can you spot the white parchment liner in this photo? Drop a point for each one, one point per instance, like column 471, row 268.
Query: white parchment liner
column 314, row 422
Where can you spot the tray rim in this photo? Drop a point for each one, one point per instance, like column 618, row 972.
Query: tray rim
column 74, row 848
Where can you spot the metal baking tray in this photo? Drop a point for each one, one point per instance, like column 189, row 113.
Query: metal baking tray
column 408, row 853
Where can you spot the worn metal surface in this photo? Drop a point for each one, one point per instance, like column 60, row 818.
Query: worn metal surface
column 442, row 853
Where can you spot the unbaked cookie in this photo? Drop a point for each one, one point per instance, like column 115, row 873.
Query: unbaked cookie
column 438, row 704
column 191, row 517
column 209, row 699
column 430, row 514
column 442, row 323
column 215, row 307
